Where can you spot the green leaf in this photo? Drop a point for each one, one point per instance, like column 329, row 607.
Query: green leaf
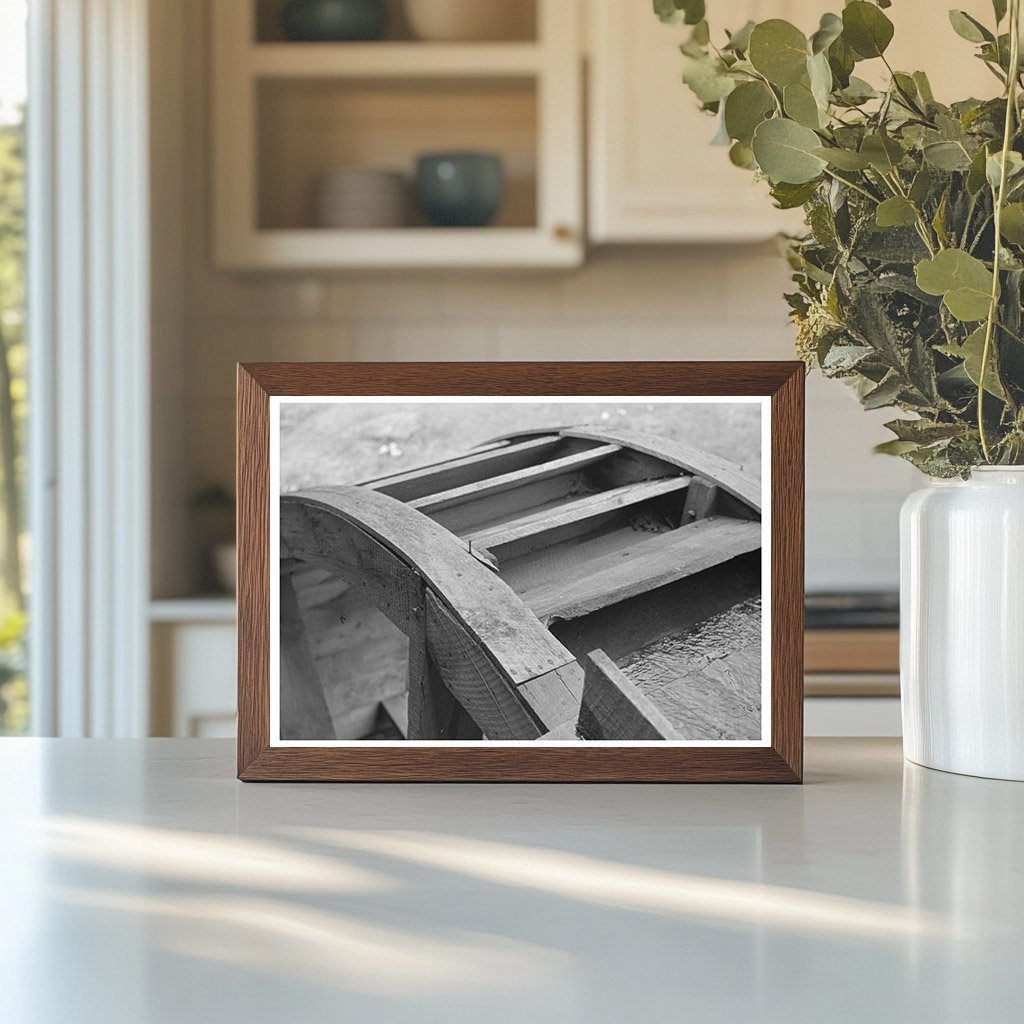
column 789, row 197
column 801, row 106
column 785, row 152
column 741, row 155
column 676, row 12
column 883, row 153
column 963, row 281
column 746, row 107
column 896, row 447
column 866, row 29
column 969, row 28
column 708, row 80
column 947, row 156
column 972, row 352
column 820, row 76
column 841, row 60
column 830, row 29
column 896, row 212
column 976, row 173
column 999, row 6
column 921, row 185
column 739, row 41
column 844, row 159
column 1013, row 223
column 779, row 51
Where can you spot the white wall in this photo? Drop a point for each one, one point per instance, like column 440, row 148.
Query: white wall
column 670, row 303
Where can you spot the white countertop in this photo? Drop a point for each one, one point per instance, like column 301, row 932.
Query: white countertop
column 143, row 885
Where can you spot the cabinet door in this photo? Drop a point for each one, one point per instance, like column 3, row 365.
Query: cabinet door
column 654, row 177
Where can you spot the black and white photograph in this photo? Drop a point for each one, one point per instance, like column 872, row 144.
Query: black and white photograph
column 465, row 570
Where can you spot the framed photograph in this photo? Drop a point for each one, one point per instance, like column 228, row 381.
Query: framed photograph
column 520, row 572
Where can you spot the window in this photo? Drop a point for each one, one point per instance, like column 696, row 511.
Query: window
column 14, row 548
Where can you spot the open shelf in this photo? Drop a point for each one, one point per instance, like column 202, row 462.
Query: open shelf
column 288, row 113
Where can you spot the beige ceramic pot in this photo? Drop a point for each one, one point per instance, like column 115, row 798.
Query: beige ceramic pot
column 470, row 20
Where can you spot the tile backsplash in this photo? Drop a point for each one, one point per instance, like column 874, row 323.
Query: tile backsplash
column 700, row 303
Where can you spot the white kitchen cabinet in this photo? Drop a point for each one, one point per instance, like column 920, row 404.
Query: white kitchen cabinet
column 653, row 175
column 286, row 113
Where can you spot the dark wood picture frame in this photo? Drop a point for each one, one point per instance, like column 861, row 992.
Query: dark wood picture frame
column 780, row 761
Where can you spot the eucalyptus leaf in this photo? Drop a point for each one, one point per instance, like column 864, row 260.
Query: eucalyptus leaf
column 866, row 29
column 1013, row 223
column 896, row 212
column 947, row 156
column 800, row 105
column 745, row 108
column 708, row 80
column 999, row 7
column 675, row 12
column 786, row 152
column 739, row 41
column 972, row 353
column 969, row 28
column 962, row 280
column 741, row 155
column 779, row 51
column 844, row 159
column 883, row 153
column 829, row 30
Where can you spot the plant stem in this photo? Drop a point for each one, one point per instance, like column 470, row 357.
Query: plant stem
column 849, row 184
column 1000, row 199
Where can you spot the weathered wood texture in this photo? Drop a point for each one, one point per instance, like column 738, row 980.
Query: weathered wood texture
column 651, row 563
column 433, row 713
column 469, row 469
column 731, row 478
column 303, row 708
column 538, row 530
column 701, row 499
column 614, row 709
column 409, row 543
column 781, row 762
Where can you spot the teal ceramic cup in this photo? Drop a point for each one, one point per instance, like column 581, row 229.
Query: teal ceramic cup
column 462, row 190
column 332, row 21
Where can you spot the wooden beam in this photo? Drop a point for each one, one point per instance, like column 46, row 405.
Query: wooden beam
column 465, row 470
column 476, row 682
column 304, row 712
column 701, row 499
column 653, row 562
column 433, row 712
column 613, row 708
column 555, row 696
column 732, row 478
column 565, row 466
column 538, row 530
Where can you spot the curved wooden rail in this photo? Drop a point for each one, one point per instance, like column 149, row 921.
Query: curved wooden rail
column 470, row 635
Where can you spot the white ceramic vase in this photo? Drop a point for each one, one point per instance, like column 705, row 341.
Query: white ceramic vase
column 962, row 624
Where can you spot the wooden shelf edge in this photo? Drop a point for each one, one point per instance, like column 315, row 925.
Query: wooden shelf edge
column 392, row 60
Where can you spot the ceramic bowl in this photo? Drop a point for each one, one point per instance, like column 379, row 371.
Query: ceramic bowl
column 334, row 20
column 358, row 197
column 460, row 189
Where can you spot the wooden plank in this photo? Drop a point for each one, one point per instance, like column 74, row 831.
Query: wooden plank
column 555, row 696
column 655, row 561
column 539, row 530
column 486, row 607
column 467, row 469
column 852, row 650
column 304, row 713
column 701, row 499
column 614, row 709
column 475, row 681
column 433, row 713
column 730, row 477
column 564, row 466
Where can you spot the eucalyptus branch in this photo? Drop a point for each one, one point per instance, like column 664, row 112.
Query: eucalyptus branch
column 1000, row 200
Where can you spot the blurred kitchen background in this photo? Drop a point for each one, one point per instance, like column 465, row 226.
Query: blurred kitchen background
column 291, row 218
